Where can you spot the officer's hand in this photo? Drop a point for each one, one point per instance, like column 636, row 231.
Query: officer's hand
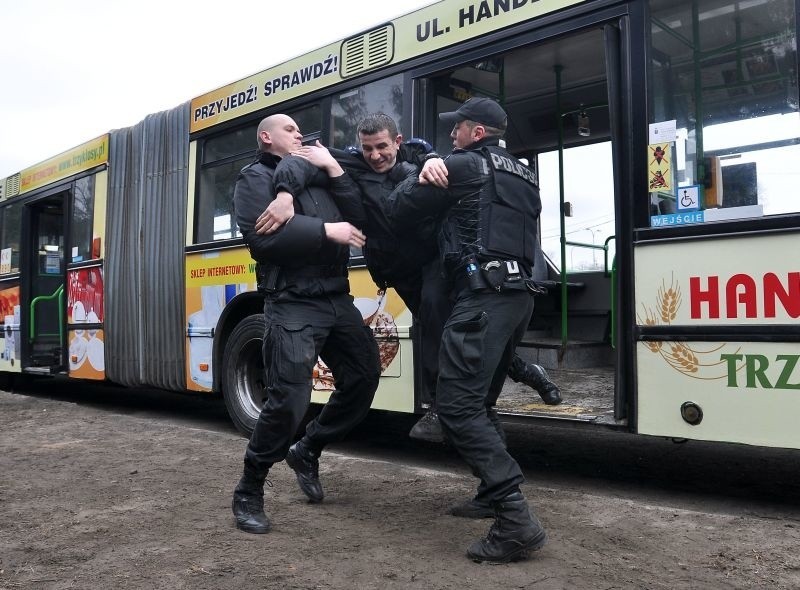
column 276, row 214
column 434, row 172
column 345, row 234
column 319, row 155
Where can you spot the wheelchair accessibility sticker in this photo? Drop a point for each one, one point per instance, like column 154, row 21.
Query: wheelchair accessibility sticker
column 688, row 198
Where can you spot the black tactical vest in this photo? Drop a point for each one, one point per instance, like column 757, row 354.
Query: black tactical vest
column 509, row 209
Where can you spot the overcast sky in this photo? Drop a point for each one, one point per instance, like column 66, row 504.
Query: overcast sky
column 73, row 71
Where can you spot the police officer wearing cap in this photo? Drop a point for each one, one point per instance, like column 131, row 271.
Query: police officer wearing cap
column 491, row 209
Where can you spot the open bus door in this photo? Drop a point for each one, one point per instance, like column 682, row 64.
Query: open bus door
column 562, row 93
column 43, row 293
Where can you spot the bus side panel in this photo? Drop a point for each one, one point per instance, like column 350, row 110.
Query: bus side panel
column 748, row 392
column 390, row 321
column 10, row 318
column 213, row 279
column 85, row 305
column 743, row 388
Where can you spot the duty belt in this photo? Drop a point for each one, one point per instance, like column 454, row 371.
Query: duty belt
column 313, row 272
column 271, row 278
column 490, row 276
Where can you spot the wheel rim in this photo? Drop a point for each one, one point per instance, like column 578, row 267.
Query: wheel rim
column 251, row 389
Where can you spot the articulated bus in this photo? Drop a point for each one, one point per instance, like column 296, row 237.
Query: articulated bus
column 665, row 135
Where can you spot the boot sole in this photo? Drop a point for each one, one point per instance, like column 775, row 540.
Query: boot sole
column 252, row 530
column 517, row 554
column 426, row 438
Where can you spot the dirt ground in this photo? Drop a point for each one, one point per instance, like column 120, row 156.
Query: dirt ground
column 94, row 499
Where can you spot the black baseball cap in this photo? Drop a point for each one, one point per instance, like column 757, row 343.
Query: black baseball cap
column 479, row 109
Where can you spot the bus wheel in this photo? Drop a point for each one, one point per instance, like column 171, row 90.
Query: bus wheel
column 6, row 381
column 243, row 377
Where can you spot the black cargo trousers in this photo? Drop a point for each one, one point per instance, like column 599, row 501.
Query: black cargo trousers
column 298, row 330
column 427, row 296
column 478, row 343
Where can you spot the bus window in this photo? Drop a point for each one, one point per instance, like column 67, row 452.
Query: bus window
column 348, row 108
column 590, row 192
column 223, row 157
column 12, row 227
column 82, row 217
column 728, row 107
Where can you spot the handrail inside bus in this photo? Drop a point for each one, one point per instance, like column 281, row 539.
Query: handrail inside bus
column 59, row 293
column 604, row 248
column 608, row 272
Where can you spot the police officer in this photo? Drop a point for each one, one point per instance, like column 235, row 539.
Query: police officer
column 408, row 261
column 491, row 209
column 309, row 313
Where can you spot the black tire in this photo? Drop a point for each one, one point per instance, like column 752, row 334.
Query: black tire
column 243, row 376
column 7, row 381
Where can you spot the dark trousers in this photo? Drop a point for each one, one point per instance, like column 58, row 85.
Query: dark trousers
column 428, row 298
column 298, row 330
column 477, row 346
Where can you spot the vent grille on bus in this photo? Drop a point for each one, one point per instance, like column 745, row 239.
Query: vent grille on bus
column 11, row 188
column 368, row 51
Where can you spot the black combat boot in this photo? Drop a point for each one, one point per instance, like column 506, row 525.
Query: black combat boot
column 536, row 377
column 306, row 467
column 513, row 535
column 248, row 503
column 428, row 428
column 473, row 508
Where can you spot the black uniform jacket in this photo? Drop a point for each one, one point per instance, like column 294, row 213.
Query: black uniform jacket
column 392, row 255
column 301, row 242
column 465, row 174
column 460, row 231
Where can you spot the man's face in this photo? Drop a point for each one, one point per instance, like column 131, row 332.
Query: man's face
column 463, row 135
column 283, row 136
column 379, row 150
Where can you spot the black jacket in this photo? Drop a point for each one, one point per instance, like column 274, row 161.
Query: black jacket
column 467, row 229
column 393, row 256
column 300, row 246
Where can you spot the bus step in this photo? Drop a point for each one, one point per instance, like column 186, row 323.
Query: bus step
column 45, row 356
column 40, row 370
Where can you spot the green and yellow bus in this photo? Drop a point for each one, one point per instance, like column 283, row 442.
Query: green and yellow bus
column 665, row 135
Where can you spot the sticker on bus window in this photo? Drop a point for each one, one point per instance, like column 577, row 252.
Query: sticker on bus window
column 659, row 166
column 677, row 219
column 688, row 198
column 663, row 132
column 5, row 261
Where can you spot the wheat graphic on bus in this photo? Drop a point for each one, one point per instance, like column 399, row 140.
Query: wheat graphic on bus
column 691, row 360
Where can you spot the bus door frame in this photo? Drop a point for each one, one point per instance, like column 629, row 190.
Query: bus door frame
column 33, row 209
column 624, row 53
